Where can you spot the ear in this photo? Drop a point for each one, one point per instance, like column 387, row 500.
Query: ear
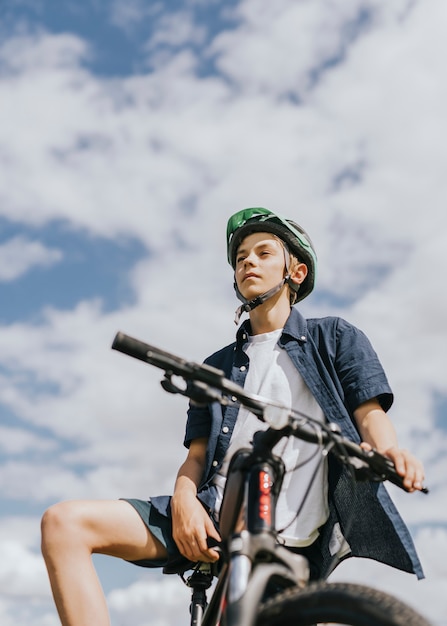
column 299, row 273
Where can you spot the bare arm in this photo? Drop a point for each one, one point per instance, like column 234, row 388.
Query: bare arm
column 378, row 432
column 191, row 524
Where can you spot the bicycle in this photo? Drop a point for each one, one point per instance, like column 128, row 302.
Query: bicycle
column 259, row 581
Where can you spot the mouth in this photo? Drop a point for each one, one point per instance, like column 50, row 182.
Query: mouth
column 250, row 275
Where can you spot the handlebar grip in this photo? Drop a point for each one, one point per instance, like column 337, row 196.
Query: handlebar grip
column 379, row 465
column 167, row 361
column 384, row 465
column 130, row 346
column 148, row 353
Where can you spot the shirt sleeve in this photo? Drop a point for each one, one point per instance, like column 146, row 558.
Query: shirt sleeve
column 359, row 370
column 200, row 417
column 198, row 423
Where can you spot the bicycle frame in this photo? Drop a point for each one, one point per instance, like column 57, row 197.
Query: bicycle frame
column 252, row 555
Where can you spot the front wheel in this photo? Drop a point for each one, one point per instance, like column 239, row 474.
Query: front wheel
column 337, row 603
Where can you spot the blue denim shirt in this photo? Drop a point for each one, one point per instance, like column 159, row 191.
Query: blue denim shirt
column 342, row 370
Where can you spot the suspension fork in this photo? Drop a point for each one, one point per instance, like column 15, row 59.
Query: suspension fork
column 246, row 586
column 247, row 525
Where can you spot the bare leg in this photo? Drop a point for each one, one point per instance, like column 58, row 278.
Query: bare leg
column 71, row 533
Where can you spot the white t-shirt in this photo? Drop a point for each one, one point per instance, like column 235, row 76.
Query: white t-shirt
column 272, row 375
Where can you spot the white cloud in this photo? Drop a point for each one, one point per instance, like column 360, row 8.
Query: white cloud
column 279, row 46
column 18, row 255
column 165, row 599
column 23, row 578
column 21, row 569
column 19, row 440
column 176, row 29
column 128, row 14
column 61, row 52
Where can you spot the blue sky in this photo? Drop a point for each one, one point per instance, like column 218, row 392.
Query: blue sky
column 118, row 31
column 86, row 267
column 129, row 132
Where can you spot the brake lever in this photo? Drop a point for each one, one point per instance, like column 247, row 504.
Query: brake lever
column 198, row 392
column 201, row 393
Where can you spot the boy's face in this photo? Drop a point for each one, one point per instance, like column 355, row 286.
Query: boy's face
column 260, row 264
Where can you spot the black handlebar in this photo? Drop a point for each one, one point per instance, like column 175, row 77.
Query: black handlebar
column 205, row 384
column 165, row 360
column 205, row 379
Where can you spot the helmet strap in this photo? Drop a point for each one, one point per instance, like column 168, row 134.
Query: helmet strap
column 249, row 305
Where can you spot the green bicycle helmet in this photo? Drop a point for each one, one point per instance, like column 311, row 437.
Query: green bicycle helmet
column 295, row 238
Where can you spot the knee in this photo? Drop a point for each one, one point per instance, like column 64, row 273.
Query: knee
column 60, row 524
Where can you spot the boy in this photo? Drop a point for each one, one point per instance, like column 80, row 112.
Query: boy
column 324, row 367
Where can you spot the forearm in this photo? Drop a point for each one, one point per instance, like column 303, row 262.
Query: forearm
column 375, row 427
column 377, row 431
column 191, row 524
column 191, row 471
column 188, row 478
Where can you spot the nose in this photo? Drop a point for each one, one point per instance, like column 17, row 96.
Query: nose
column 249, row 259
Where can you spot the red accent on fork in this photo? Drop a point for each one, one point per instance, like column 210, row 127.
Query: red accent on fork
column 265, row 500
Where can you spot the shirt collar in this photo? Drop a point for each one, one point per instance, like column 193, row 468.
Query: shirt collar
column 243, row 332
column 295, row 327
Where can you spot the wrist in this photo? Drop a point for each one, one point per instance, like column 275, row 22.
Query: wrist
column 184, row 494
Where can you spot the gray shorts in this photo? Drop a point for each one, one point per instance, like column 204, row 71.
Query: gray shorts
column 160, row 526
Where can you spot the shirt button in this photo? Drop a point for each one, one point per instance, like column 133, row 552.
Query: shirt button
column 225, row 429
column 215, row 463
column 233, row 399
column 243, row 368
